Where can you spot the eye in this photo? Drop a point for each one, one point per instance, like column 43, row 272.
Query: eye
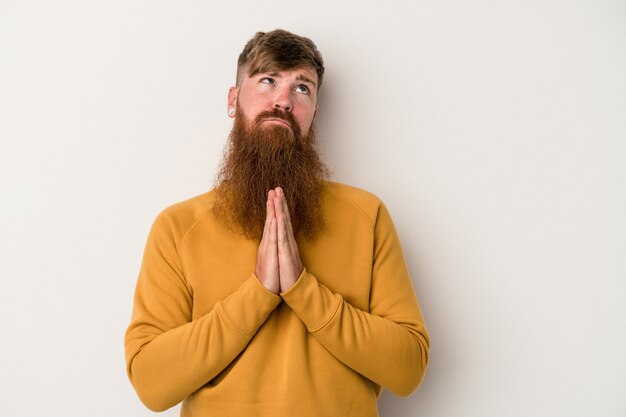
column 267, row 80
column 303, row 89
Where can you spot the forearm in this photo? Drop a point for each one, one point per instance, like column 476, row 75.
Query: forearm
column 392, row 351
column 166, row 366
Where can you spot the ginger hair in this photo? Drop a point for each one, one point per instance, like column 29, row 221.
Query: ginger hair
column 276, row 51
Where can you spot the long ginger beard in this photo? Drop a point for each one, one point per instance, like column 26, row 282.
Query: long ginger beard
column 260, row 158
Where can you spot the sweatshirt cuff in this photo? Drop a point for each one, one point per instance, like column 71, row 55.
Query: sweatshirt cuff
column 313, row 303
column 250, row 305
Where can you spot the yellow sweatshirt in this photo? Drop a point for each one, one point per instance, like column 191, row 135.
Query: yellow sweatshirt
column 205, row 331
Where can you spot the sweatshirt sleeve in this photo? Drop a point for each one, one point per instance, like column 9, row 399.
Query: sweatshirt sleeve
column 169, row 355
column 388, row 344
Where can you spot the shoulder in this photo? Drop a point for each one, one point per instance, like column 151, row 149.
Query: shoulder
column 361, row 201
column 180, row 217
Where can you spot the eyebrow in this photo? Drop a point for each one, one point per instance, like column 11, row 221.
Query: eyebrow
column 299, row 78
column 306, row 79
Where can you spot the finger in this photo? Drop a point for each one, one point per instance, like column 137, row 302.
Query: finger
column 280, row 219
column 271, row 215
column 281, row 194
column 287, row 214
column 271, row 197
column 281, row 202
column 272, row 247
column 283, row 236
column 280, row 205
column 269, row 208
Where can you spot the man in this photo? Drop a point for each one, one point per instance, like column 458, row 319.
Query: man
column 278, row 293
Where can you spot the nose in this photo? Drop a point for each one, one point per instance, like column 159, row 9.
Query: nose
column 282, row 100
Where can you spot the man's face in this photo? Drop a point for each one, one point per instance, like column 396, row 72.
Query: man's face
column 292, row 91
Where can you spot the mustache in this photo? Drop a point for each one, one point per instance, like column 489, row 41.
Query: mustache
column 278, row 114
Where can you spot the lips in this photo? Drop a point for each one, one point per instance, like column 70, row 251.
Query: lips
column 278, row 120
column 278, row 117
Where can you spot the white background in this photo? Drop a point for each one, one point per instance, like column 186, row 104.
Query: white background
column 494, row 131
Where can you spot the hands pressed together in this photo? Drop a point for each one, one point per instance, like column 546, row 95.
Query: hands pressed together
column 278, row 264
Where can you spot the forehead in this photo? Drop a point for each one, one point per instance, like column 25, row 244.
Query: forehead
column 303, row 73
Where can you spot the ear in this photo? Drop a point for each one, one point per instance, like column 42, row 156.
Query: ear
column 315, row 112
column 232, row 101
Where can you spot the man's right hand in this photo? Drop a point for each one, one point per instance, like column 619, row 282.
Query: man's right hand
column 267, row 258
